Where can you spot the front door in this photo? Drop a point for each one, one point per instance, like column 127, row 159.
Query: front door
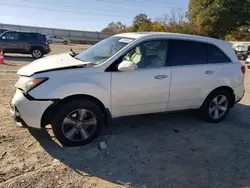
column 10, row 42
column 146, row 89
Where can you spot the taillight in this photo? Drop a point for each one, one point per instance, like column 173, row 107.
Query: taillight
column 46, row 42
column 243, row 69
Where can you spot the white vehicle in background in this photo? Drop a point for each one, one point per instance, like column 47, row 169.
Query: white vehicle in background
column 128, row 74
column 56, row 39
column 248, row 61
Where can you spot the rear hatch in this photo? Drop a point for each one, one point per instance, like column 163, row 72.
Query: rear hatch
column 42, row 38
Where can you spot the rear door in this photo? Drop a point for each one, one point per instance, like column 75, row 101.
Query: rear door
column 26, row 40
column 194, row 73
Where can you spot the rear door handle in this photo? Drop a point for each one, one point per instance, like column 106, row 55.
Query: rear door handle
column 209, row 72
column 160, row 77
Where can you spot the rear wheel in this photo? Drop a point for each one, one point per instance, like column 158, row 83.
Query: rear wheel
column 216, row 106
column 65, row 42
column 78, row 123
column 37, row 53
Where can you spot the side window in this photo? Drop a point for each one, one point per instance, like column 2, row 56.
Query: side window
column 12, row 36
column 184, row 52
column 215, row 55
column 27, row 36
column 148, row 55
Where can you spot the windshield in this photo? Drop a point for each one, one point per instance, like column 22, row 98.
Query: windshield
column 103, row 50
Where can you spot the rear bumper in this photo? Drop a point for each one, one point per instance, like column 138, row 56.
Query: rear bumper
column 47, row 50
column 27, row 112
column 239, row 93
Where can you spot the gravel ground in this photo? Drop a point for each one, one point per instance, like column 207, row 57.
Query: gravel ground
column 150, row 151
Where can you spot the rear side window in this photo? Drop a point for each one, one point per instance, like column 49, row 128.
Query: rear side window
column 215, row 55
column 27, row 36
column 184, row 52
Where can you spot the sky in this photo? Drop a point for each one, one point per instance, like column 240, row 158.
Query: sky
column 90, row 15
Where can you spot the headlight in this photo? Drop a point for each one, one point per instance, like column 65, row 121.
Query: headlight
column 31, row 83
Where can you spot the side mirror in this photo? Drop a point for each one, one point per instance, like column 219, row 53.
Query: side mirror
column 126, row 66
column 4, row 37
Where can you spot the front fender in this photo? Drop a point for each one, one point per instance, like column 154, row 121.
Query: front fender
column 96, row 85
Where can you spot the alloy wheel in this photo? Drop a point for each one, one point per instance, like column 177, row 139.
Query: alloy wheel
column 79, row 125
column 218, row 107
column 37, row 53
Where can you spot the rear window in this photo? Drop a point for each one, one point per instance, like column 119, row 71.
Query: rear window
column 215, row 55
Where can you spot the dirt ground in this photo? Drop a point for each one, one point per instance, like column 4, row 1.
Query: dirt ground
column 149, row 151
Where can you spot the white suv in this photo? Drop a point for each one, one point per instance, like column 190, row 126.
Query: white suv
column 128, row 74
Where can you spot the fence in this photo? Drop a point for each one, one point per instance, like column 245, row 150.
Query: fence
column 73, row 35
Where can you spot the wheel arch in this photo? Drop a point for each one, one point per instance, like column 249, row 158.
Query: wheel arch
column 36, row 47
column 50, row 112
column 227, row 88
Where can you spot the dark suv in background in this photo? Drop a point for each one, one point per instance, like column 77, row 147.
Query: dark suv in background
column 2, row 30
column 35, row 44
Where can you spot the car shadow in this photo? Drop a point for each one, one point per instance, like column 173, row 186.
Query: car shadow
column 155, row 150
column 18, row 58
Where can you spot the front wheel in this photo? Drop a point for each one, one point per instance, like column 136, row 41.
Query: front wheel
column 77, row 123
column 65, row 42
column 216, row 106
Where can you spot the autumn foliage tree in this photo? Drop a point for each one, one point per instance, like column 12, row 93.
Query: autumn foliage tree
column 219, row 17
column 114, row 27
column 224, row 19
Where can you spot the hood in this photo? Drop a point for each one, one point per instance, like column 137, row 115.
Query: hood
column 54, row 62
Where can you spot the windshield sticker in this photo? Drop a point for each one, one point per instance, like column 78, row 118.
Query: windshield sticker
column 124, row 40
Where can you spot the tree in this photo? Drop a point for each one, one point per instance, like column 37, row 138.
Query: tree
column 114, row 27
column 219, row 17
column 141, row 22
column 241, row 34
column 158, row 27
column 175, row 22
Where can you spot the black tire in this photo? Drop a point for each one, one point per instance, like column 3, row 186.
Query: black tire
column 37, row 53
column 204, row 110
column 68, row 108
column 50, row 41
column 65, row 42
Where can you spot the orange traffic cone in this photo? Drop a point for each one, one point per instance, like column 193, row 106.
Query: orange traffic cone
column 1, row 57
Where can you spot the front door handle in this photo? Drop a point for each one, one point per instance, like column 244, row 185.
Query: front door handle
column 160, row 77
column 209, row 72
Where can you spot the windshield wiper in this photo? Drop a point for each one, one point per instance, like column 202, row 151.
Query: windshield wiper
column 73, row 54
column 88, row 63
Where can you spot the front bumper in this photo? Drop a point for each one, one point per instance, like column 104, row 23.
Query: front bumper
column 16, row 116
column 27, row 112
